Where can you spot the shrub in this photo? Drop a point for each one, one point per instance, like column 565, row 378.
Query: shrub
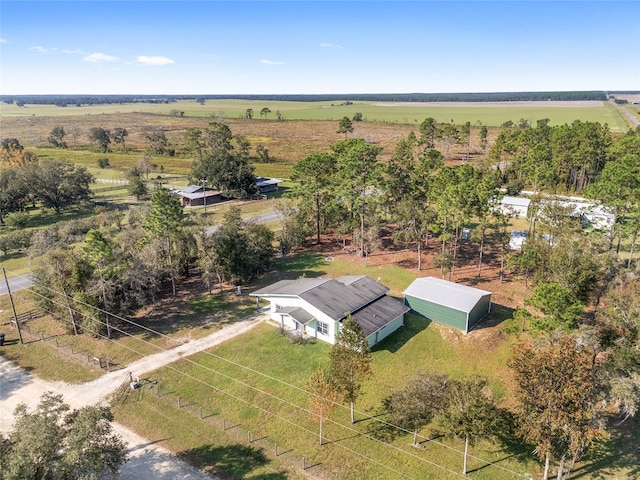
column 16, row 240
column 17, row 220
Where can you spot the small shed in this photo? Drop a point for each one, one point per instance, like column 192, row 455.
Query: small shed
column 449, row 303
column 195, row 196
column 266, row 185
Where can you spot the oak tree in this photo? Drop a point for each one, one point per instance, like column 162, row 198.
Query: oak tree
column 557, row 394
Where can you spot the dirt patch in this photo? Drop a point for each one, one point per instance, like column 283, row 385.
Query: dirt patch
column 508, row 293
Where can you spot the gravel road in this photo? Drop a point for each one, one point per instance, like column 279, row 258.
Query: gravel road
column 148, row 460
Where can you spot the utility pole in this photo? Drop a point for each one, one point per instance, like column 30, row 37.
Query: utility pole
column 13, row 307
column 204, row 194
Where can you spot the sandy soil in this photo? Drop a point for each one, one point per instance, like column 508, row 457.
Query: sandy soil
column 148, row 460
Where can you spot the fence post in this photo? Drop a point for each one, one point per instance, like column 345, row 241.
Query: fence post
column 200, row 412
column 304, row 463
column 276, row 449
column 249, row 437
column 224, row 423
column 179, row 404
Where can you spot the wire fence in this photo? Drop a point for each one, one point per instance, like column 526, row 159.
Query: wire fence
column 259, row 440
column 108, row 364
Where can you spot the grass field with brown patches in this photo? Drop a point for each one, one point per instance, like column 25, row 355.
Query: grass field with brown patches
column 288, row 142
column 487, row 113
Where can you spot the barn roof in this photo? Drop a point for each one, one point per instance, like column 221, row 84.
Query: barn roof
column 449, row 294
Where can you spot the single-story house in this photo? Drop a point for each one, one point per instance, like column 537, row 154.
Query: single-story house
column 317, row 306
column 514, row 206
column 195, row 196
column 266, row 185
column 449, row 303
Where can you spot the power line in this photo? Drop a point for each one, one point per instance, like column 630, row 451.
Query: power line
column 239, row 398
column 275, row 397
column 367, row 417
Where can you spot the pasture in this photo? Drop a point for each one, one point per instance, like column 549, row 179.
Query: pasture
column 485, row 113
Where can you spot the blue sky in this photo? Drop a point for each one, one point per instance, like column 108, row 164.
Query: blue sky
column 208, row 47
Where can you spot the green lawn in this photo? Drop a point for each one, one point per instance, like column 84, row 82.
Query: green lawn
column 418, row 347
column 252, row 397
column 257, row 383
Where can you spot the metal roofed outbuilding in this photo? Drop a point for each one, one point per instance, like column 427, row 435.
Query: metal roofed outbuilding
column 449, row 303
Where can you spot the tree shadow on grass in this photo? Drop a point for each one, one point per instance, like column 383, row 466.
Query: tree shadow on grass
column 193, row 307
column 499, row 314
column 300, row 265
column 231, row 461
column 208, row 303
column 619, row 456
column 413, row 324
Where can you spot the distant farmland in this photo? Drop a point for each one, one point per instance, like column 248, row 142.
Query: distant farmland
column 490, row 114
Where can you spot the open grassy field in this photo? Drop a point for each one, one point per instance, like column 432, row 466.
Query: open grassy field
column 491, row 114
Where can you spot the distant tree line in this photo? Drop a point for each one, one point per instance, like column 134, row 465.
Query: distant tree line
column 65, row 100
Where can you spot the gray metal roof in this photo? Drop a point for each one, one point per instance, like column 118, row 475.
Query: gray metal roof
column 192, row 189
column 290, row 287
column 379, row 313
column 335, row 299
column 349, row 279
column 196, row 195
column 450, row 294
column 263, row 182
column 299, row 314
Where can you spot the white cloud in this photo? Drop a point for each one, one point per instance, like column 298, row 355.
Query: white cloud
column 41, row 49
column 75, row 51
column 158, row 60
column 330, row 45
column 3, row 40
column 99, row 57
column 271, row 62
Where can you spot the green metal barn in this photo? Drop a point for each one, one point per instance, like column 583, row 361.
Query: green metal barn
column 448, row 303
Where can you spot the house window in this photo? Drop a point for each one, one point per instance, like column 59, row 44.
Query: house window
column 323, row 328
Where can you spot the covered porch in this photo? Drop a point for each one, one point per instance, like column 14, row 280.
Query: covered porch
column 298, row 319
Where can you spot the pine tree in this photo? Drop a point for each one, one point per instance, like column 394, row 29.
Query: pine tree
column 350, row 361
column 165, row 221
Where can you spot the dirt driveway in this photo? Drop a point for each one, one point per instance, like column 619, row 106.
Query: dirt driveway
column 148, row 460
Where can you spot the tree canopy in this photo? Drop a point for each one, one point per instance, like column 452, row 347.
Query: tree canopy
column 59, row 184
column 53, row 442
